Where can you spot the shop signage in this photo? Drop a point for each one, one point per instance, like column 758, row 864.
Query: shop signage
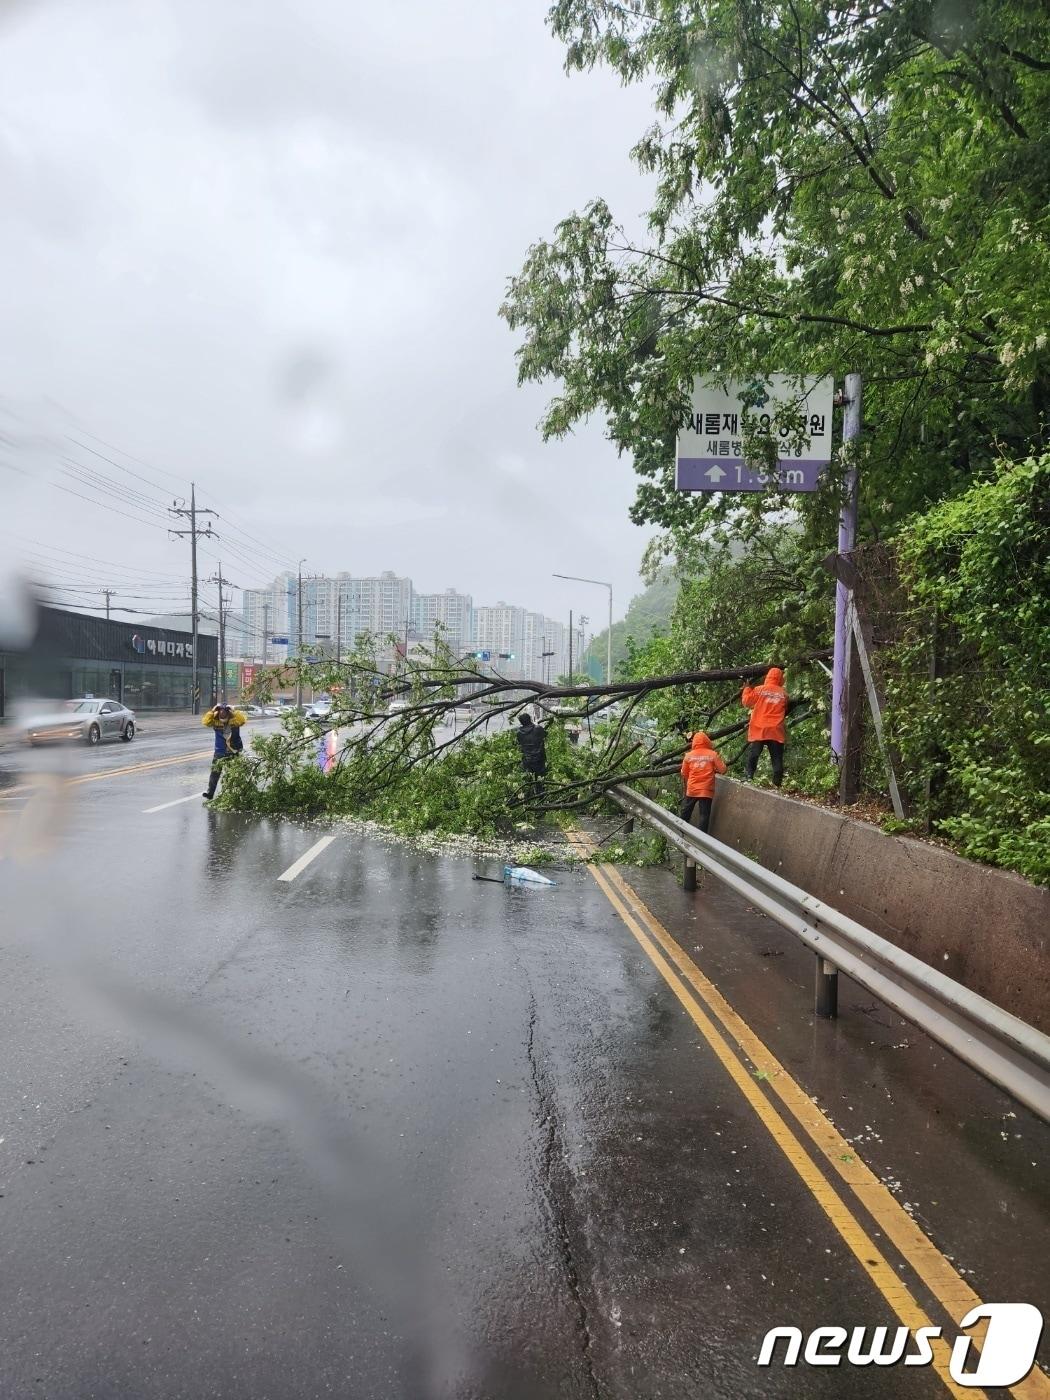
column 157, row 646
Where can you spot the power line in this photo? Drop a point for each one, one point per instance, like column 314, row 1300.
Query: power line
column 115, row 592
column 238, row 554
column 121, row 499
column 131, row 458
column 280, row 559
column 90, row 476
column 101, row 607
column 92, row 501
column 109, row 563
column 102, row 456
column 222, row 515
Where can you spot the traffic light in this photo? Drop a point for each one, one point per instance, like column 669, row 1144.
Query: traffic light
column 506, row 656
column 482, row 655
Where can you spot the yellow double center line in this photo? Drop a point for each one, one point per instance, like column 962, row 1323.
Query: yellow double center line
column 149, row 767
column 712, row 1015
column 199, row 756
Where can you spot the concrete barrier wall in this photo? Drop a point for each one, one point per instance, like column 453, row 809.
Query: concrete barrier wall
column 988, row 929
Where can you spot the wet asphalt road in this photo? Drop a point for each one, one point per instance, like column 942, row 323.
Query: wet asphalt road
column 380, row 1130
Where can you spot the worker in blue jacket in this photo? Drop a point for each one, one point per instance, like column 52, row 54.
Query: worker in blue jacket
column 226, row 722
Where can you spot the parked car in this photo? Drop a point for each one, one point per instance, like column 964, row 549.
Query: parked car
column 255, row 711
column 398, row 707
column 89, row 720
column 274, row 711
column 320, row 709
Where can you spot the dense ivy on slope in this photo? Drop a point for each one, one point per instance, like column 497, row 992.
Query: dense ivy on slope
column 978, row 729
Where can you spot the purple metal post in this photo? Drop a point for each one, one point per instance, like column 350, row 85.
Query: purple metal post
column 847, row 540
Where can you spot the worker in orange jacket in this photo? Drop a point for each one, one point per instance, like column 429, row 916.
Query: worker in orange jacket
column 699, row 768
column 768, row 704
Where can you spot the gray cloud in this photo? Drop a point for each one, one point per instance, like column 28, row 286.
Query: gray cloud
column 263, row 245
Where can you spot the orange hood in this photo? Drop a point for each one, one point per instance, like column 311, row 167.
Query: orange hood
column 774, row 676
column 700, row 740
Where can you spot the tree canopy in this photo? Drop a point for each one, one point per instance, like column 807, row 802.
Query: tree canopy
column 859, row 188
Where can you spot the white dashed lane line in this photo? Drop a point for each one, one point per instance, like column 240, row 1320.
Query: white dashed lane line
column 147, row 810
column 305, row 859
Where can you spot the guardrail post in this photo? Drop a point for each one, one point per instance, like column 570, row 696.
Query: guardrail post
column 827, row 989
column 689, row 873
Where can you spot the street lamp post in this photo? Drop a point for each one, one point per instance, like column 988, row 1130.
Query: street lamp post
column 599, row 583
column 299, row 641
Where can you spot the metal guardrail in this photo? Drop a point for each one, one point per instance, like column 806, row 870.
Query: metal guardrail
column 999, row 1046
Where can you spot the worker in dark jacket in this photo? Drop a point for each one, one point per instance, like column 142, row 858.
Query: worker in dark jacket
column 532, row 740
column 226, row 722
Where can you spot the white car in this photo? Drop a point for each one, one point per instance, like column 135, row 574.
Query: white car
column 89, row 720
column 320, row 709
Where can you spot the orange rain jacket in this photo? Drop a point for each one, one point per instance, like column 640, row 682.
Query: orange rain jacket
column 699, row 767
column 768, row 704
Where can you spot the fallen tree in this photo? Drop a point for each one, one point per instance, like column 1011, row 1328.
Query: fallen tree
column 429, row 763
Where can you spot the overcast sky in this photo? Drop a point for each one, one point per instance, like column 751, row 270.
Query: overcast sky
column 263, row 243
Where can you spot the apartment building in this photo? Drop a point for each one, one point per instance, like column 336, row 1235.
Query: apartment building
column 266, row 614
column 500, row 630
column 546, row 648
column 453, row 612
column 337, row 610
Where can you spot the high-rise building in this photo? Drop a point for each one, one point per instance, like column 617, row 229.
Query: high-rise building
column 266, row 614
column 382, row 604
column 335, row 612
column 534, row 647
column 500, row 630
column 555, row 662
column 451, row 611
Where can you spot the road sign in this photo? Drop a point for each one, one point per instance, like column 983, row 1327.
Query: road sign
column 278, row 641
column 710, row 455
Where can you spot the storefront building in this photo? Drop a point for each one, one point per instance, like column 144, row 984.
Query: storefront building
column 148, row 668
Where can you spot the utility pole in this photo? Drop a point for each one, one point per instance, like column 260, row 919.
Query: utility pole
column 110, row 593
column 266, row 634
column 193, row 532
column 218, row 578
column 338, row 622
column 570, row 646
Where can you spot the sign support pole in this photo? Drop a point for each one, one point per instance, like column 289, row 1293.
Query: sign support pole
column 847, row 541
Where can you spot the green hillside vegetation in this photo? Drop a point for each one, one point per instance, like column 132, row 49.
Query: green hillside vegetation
column 648, row 614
